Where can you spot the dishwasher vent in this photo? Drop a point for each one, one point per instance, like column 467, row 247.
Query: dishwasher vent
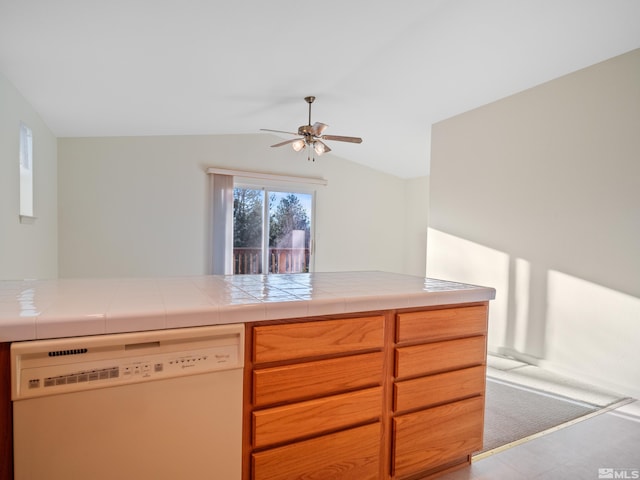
column 72, row 351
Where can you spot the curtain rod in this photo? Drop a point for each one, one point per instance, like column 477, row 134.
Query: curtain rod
column 267, row 176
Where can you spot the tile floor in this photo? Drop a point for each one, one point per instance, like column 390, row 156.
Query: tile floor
column 602, row 445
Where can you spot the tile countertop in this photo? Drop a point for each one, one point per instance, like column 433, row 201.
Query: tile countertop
column 38, row 309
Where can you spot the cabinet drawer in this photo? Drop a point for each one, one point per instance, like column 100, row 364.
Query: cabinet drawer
column 433, row 437
column 440, row 324
column 439, row 388
column 440, row 356
column 347, row 455
column 320, row 377
column 309, row 339
column 322, row 415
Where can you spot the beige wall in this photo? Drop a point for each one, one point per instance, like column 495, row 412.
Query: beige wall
column 139, row 206
column 538, row 195
column 27, row 250
column 416, row 223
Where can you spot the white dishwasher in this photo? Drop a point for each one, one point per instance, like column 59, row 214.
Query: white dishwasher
column 164, row 404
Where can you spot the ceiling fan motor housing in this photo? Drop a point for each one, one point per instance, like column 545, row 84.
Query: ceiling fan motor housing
column 305, row 130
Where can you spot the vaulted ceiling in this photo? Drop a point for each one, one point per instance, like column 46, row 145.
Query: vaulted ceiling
column 382, row 70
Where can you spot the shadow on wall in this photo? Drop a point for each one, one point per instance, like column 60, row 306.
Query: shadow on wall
column 547, row 317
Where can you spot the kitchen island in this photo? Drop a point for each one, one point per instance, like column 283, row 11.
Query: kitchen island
column 347, row 375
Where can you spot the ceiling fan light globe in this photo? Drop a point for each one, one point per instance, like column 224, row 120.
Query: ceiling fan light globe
column 298, row 145
column 319, row 148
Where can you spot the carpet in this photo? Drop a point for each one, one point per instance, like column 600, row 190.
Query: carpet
column 513, row 413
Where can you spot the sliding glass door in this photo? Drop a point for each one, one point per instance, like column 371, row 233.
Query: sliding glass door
column 272, row 230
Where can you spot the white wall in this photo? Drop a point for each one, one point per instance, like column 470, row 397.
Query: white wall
column 538, row 195
column 27, row 250
column 139, row 206
column 416, row 223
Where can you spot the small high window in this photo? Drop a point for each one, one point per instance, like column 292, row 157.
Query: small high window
column 26, row 171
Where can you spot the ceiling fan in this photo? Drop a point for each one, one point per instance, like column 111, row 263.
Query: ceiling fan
column 311, row 136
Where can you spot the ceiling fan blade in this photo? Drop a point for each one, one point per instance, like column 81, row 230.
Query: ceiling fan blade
column 277, row 131
column 318, row 128
column 340, row 138
column 286, row 142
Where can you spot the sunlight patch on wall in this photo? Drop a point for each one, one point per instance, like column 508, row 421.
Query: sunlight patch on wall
column 595, row 328
column 456, row 259
column 521, row 296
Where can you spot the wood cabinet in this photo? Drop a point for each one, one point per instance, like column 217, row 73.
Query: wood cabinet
column 348, row 454
column 429, row 439
column 438, row 391
column 313, row 378
column 392, row 396
column 441, row 324
column 316, row 399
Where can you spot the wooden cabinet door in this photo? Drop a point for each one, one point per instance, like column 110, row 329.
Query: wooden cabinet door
column 437, row 389
column 273, row 343
column 438, row 357
column 347, row 455
column 316, row 417
column 441, row 324
column 302, row 381
column 430, row 438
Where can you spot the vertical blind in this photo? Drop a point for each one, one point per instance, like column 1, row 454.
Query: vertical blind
column 222, row 257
